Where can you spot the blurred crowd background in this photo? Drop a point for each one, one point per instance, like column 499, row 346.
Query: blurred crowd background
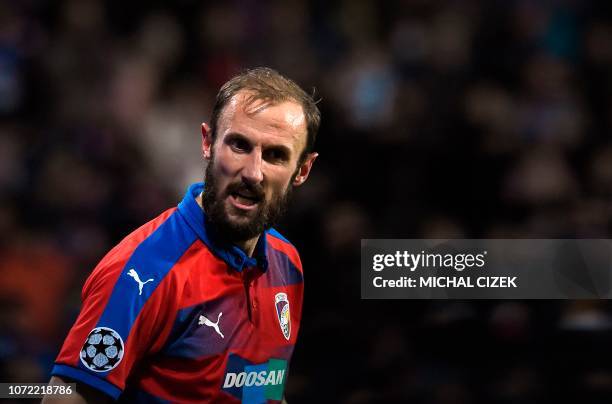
column 480, row 119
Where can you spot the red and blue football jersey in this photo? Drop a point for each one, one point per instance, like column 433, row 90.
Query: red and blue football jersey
column 171, row 315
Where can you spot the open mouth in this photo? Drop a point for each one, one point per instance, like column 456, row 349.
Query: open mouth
column 244, row 200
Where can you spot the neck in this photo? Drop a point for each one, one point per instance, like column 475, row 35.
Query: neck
column 248, row 246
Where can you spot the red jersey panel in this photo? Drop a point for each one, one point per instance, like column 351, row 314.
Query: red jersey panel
column 171, row 315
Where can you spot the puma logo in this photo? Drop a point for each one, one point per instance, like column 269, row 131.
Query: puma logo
column 132, row 272
column 207, row 322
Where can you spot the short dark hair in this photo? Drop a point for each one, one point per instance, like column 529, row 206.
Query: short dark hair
column 270, row 86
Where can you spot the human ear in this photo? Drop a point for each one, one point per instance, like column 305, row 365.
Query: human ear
column 304, row 169
column 207, row 141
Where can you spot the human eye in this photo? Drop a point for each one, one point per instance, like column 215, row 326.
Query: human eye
column 277, row 155
column 238, row 144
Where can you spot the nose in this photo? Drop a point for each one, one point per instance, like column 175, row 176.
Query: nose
column 251, row 171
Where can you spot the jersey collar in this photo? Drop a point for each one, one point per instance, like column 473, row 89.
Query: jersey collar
column 233, row 256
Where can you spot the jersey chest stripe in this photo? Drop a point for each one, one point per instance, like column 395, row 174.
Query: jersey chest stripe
column 287, row 249
column 152, row 259
column 282, row 271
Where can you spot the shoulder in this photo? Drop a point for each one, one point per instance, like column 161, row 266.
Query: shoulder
column 279, row 243
column 152, row 250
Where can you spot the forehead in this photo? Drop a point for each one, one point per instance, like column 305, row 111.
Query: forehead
column 265, row 122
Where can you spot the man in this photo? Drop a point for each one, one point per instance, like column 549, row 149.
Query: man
column 203, row 303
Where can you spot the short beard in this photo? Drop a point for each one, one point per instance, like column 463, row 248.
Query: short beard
column 217, row 219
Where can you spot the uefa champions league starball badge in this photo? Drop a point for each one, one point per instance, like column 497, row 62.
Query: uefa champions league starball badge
column 103, row 350
column 282, row 312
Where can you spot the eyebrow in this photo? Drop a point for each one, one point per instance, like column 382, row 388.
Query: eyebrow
column 236, row 135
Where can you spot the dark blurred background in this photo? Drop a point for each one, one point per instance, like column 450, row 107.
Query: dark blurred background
column 481, row 119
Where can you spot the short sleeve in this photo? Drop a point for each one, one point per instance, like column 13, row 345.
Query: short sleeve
column 122, row 319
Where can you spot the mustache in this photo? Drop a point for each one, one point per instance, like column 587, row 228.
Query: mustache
column 256, row 190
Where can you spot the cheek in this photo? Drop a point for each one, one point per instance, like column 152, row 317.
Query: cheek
column 227, row 164
column 221, row 177
column 280, row 181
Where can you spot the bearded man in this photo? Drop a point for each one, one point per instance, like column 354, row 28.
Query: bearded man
column 203, row 303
